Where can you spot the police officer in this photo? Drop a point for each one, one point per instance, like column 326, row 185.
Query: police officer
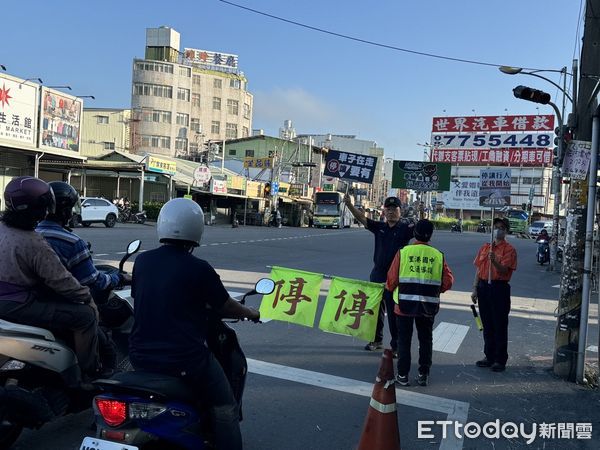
column 417, row 276
column 390, row 236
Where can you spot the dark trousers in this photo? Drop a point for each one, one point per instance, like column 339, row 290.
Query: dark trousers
column 387, row 304
column 425, row 334
column 494, row 307
column 79, row 319
column 209, row 383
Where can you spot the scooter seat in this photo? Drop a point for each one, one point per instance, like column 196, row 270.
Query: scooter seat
column 148, row 384
column 17, row 328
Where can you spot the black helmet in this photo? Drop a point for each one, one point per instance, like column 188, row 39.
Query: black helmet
column 66, row 197
column 423, row 230
column 28, row 200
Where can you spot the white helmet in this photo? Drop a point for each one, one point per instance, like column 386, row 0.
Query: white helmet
column 181, row 219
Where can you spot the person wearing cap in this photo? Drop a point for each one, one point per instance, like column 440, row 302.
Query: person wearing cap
column 417, row 276
column 494, row 296
column 390, row 236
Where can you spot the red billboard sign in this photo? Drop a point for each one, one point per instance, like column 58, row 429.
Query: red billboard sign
column 492, row 124
column 505, row 156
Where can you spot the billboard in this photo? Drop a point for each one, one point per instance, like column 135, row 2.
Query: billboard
column 421, row 176
column 209, row 58
column 161, row 165
column 60, row 121
column 576, row 164
column 463, row 194
column 494, row 140
column 494, row 187
column 350, row 166
column 18, row 112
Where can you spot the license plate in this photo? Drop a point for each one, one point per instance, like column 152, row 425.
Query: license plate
column 90, row 443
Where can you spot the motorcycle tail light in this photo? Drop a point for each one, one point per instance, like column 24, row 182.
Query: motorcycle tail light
column 145, row 410
column 113, row 412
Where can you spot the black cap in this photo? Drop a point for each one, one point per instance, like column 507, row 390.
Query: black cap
column 391, row 201
column 423, row 230
column 503, row 221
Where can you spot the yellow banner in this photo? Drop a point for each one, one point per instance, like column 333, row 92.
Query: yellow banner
column 236, row 182
column 258, row 163
column 254, row 189
column 351, row 308
column 295, row 297
column 161, row 165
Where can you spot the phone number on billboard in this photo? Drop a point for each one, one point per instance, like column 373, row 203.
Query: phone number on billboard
column 524, row 140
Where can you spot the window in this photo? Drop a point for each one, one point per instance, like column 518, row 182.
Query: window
column 102, row 119
column 193, row 148
column 156, row 141
column 514, row 180
column 215, row 127
column 245, row 132
column 217, row 83
column 158, row 197
column 182, row 119
column 217, row 103
column 109, row 145
column 157, row 116
column 185, row 71
column 232, row 152
column 234, row 83
column 246, row 111
column 183, row 94
column 232, row 107
column 231, row 130
column 196, row 80
column 180, row 144
column 196, row 100
column 249, row 153
column 156, row 90
column 526, row 180
column 195, row 126
column 154, row 66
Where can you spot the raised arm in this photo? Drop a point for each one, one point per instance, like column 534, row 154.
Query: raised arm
column 358, row 215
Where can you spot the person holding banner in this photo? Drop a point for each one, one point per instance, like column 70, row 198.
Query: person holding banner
column 390, row 236
column 417, row 276
column 495, row 264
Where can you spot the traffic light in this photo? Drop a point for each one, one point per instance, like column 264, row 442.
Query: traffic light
column 565, row 135
column 532, row 95
column 267, row 190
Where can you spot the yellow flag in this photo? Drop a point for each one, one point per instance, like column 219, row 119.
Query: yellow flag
column 295, row 297
column 351, row 308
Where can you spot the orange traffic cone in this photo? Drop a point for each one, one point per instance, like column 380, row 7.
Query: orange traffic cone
column 381, row 426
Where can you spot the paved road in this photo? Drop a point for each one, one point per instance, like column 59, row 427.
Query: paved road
column 310, row 390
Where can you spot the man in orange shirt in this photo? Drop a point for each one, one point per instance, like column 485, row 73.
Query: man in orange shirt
column 494, row 296
column 417, row 276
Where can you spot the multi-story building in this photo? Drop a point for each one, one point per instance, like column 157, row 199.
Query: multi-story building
column 104, row 130
column 181, row 101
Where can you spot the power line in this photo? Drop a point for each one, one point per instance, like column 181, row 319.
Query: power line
column 365, row 41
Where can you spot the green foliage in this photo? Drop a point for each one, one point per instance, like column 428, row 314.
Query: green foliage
column 152, row 209
column 445, row 223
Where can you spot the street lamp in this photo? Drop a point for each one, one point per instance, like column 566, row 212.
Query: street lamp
column 3, row 67
column 85, row 96
column 30, row 79
column 60, row 87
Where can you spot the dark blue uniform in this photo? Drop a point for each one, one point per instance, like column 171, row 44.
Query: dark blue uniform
column 388, row 240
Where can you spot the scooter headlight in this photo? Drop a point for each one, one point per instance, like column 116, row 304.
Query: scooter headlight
column 145, row 410
column 13, row 364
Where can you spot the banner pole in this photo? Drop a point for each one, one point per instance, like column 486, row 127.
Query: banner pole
column 491, row 247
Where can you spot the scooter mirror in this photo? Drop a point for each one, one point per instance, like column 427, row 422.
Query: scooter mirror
column 133, row 247
column 264, row 286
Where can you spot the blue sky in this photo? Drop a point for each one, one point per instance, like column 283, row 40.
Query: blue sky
column 323, row 83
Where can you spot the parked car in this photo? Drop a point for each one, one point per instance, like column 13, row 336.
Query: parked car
column 96, row 210
column 538, row 226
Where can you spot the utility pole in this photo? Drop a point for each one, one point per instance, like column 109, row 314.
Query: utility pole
column 570, row 302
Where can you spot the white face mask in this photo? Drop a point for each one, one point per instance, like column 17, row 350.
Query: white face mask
column 499, row 234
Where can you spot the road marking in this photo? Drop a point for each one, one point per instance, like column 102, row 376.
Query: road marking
column 101, row 254
column 592, row 348
column 455, row 410
column 447, row 337
column 556, row 286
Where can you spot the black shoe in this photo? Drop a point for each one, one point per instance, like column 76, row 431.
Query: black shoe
column 372, row 346
column 484, row 363
column 422, row 379
column 402, row 380
column 497, row 367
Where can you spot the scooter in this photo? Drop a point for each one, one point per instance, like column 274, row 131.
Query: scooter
column 125, row 215
column 481, row 228
column 142, row 409
column 40, row 379
column 543, row 251
column 456, row 227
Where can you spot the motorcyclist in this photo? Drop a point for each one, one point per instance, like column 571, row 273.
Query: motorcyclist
column 29, row 268
column 77, row 258
column 543, row 236
column 173, row 292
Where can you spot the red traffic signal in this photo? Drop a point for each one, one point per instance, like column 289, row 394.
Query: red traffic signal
column 532, row 95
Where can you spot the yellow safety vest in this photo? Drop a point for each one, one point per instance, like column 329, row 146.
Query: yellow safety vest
column 420, row 280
